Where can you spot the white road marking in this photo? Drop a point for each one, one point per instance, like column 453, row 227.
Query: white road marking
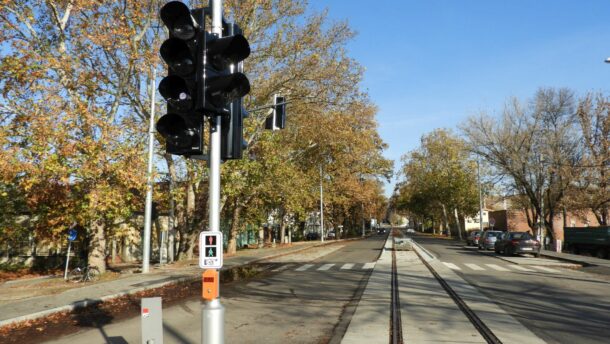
column 283, row 267
column 325, row 267
column 474, row 267
column 304, row 267
column 368, row 266
column 521, row 268
column 347, row 266
column 497, row 267
column 546, row 269
column 451, row 266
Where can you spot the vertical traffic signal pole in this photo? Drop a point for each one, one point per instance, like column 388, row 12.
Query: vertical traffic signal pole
column 212, row 311
column 149, row 184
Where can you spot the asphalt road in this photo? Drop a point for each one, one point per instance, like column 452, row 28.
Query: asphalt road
column 295, row 300
column 559, row 305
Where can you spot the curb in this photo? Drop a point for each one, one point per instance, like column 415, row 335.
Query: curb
column 91, row 302
column 573, row 261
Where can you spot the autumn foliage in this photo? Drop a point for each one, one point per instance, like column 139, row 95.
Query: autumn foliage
column 75, row 82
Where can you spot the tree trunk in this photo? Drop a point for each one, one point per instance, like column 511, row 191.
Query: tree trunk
column 97, row 246
column 234, row 231
column 457, row 221
column 282, row 226
column 446, row 220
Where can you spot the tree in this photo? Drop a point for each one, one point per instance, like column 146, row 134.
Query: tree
column 71, row 146
column 439, row 177
column 535, row 147
column 591, row 189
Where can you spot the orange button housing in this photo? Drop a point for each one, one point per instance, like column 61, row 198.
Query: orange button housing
column 209, row 284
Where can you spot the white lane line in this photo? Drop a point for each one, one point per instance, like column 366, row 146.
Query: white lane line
column 283, row 267
column 546, row 269
column 474, row 267
column 347, row 266
column 451, row 266
column 304, row 267
column 497, row 267
column 368, row 266
column 521, row 268
column 325, row 267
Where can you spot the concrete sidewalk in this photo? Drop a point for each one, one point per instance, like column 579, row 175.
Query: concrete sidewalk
column 578, row 259
column 29, row 308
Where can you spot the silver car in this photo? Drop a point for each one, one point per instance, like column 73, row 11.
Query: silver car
column 488, row 240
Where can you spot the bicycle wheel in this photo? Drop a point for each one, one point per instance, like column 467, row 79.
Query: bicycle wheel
column 93, row 274
column 76, row 275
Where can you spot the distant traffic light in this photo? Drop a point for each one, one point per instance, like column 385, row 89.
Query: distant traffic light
column 183, row 125
column 277, row 119
column 221, row 85
column 232, row 141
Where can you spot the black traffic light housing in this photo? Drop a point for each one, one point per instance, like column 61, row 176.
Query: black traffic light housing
column 204, row 78
column 183, row 125
column 223, row 86
column 277, row 119
column 232, row 133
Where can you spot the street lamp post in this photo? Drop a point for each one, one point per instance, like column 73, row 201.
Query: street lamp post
column 480, row 197
column 607, row 60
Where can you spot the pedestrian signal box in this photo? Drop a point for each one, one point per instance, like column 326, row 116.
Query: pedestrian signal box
column 210, row 250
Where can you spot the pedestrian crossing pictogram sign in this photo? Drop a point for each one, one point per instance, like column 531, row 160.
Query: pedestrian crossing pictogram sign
column 210, row 250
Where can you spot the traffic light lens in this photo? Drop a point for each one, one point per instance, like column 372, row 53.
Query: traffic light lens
column 176, row 130
column 178, row 57
column 228, row 50
column 177, row 17
column 175, row 91
column 227, row 88
column 183, row 30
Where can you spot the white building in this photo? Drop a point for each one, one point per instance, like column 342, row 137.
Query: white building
column 472, row 223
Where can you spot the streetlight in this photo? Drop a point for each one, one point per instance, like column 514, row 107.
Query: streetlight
column 607, row 60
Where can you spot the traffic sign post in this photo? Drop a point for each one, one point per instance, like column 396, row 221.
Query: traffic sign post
column 72, row 233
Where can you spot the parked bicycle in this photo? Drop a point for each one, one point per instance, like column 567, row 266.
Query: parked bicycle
column 84, row 274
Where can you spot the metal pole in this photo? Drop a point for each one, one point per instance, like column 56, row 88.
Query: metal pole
column 149, row 184
column 170, row 227
column 541, row 230
column 67, row 260
column 363, row 219
column 480, row 196
column 321, row 206
column 212, row 312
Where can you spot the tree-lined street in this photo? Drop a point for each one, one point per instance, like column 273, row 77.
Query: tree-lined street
column 295, row 171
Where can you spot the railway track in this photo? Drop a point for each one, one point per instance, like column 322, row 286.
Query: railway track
column 396, row 335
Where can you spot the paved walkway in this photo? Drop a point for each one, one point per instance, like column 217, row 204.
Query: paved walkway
column 22, row 305
column 575, row 258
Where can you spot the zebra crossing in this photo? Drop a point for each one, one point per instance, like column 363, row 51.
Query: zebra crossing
column 504, row 268
column 324, row 267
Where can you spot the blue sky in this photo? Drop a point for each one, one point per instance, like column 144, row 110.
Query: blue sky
column 433, row 63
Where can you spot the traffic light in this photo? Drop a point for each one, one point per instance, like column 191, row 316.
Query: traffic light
column 277, row 120
column 221, row 85
column 183, row 125
column 232, row 133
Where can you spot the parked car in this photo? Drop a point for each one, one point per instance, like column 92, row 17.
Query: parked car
column 381, row 231
column 511, row 243
column 331, row 235
column 473, row 238
column 312, row 236
column 488, row 239
column 410, row 230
